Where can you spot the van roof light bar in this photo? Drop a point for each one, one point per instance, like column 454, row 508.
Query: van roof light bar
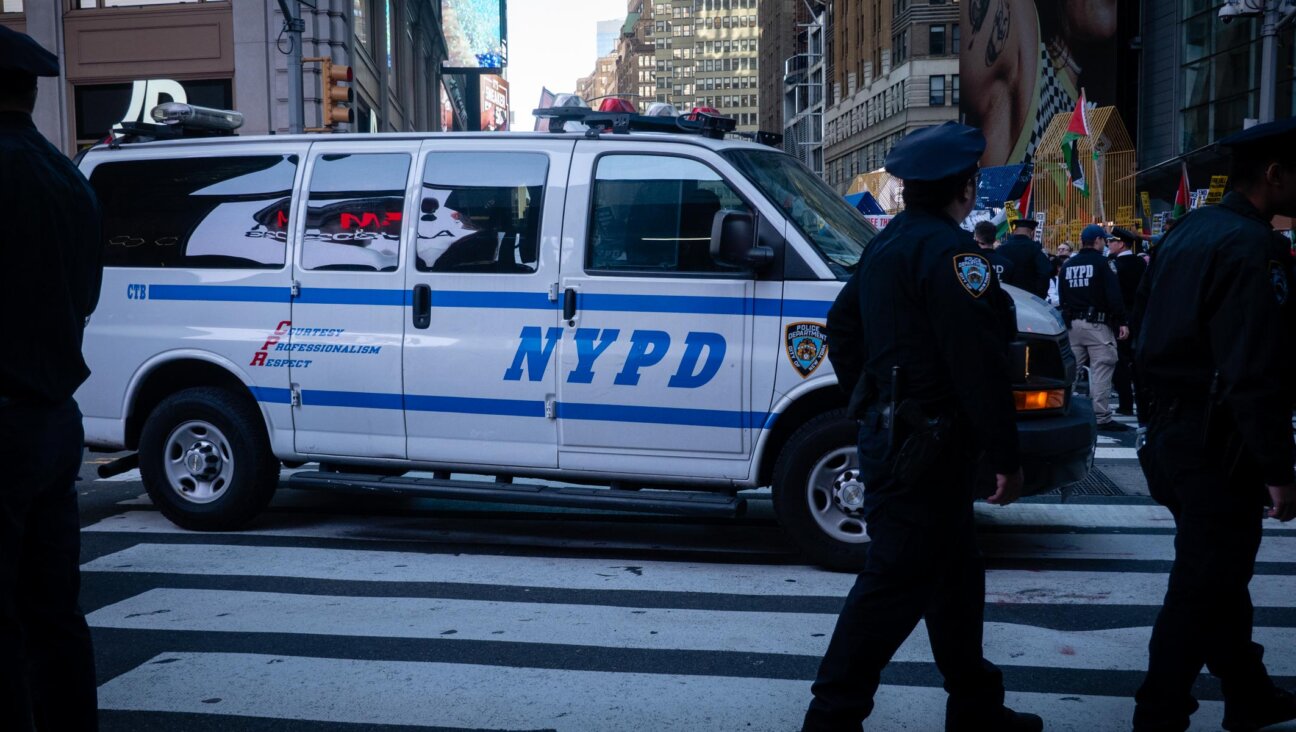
column 701, row 123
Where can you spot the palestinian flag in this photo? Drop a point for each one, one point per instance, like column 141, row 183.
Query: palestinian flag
column 1078, row 128
column 1182, row 196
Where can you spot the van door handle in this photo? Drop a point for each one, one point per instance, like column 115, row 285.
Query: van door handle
column 569, row 304
column 422, row 306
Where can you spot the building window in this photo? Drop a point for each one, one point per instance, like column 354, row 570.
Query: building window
column 936, row 97
column 954, row 39
column 936, row 40
column 363, row 15
column 11, row 6
column 954, row 89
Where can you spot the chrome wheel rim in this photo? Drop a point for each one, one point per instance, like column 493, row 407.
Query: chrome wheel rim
column 198, row 461
column 835, row 496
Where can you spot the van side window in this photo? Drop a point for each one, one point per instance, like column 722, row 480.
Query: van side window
column 654, row 214
column 354, row 212
column 202, row 213
column 481, row 212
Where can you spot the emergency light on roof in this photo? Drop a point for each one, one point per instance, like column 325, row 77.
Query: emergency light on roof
column 700, row 122
column 612, row 104
column 661, row 109
column 194, row 117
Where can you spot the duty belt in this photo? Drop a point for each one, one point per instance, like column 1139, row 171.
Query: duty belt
column 1090, row 315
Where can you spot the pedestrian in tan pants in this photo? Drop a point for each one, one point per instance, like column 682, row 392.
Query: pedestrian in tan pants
column 1095, row 315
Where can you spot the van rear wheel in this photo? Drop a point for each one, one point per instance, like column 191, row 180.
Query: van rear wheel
column 206, row 461
column 818, row 495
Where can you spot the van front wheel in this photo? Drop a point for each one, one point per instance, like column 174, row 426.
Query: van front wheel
column 206, row 461
column 818, row 495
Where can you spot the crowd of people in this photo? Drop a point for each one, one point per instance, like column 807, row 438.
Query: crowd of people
column 1094, row 284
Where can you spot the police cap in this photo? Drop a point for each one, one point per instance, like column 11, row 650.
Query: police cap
column 1277, row 134
column 936, row 153
column 1025, row 223
column 19, row 53
column 1126, row 236
column 1091, row 232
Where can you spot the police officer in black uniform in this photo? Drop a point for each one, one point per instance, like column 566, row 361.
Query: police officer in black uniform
column 49, row 284
column 1032, row 269
column 919, row 337
column 1129, row 267
column 985, row 233
column 1215, row 350
column 1095, row 316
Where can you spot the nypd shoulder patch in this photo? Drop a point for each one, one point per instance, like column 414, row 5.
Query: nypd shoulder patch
column 973, row 271
column 1278, row 277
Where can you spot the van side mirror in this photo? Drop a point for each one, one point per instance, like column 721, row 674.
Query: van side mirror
column 733, row 240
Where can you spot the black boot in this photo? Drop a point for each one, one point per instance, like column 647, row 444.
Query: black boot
column 1001, row 720
column 1279, row 706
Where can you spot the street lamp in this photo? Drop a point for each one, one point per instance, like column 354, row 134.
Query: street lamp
column 1273, row 14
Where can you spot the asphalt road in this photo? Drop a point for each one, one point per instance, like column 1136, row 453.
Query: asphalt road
column 341, row 612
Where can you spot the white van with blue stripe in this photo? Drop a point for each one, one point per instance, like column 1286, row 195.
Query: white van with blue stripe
column 640, row 314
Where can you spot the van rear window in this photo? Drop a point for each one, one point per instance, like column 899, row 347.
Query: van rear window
column 196, row 213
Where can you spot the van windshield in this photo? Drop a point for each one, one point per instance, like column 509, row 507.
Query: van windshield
column 831, row 225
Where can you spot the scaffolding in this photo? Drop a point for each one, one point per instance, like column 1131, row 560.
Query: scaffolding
column 1110, row 175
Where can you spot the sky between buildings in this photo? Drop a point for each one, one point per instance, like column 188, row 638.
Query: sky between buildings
column 551, row 44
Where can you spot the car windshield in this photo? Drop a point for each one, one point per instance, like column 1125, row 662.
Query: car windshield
column 831, row 225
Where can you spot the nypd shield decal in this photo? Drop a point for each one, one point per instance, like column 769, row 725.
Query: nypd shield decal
column 973, row 272
column 807, row 345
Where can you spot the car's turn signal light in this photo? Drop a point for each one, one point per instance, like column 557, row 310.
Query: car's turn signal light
column 1034, row 401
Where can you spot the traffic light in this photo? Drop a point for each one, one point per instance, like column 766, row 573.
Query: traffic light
column 335, row 99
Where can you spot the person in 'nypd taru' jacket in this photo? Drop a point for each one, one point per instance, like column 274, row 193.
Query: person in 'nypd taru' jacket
column 918, row 337
column 1095, row 317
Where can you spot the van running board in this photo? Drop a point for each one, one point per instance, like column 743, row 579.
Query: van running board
column 679, row 503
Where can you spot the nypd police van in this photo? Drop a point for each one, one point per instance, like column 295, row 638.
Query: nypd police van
column 608, row 317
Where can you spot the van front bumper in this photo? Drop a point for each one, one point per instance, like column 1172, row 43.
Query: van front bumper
column 1057, row 450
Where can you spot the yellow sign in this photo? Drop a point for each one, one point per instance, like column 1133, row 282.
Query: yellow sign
column 1216, row 192
column 1147, row 205
column 1124, row 214
column 1010, row 212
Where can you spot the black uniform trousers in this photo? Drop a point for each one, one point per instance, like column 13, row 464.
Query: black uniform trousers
column 1217, row 499
column 923, row 563
column 47, row 677
column 1124, row 379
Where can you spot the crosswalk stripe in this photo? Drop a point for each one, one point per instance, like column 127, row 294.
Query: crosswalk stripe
column 493, row 697
column 1066, row 515
column 806, row 634
column 1115, row 453
column 1006, row 545
column 1004, row 586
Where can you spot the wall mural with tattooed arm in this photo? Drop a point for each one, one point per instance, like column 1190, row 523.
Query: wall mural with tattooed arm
column 1023, row 61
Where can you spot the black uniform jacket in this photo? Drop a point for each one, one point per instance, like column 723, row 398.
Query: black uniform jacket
column 1003, row 266
column 1087, row 281
column 52, row 254
column 1031, row 269
column 1218, row 299
column 1130, row 269
column 925, row 298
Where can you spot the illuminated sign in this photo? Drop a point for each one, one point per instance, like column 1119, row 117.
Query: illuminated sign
column 494, row 104
column 475, row 34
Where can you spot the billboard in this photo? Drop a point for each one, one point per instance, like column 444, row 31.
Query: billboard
column 476, row 34
column 494, row 104
column 1021, row 62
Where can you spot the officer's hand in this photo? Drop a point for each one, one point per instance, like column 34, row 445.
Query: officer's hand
column 1009, row 488
column 1284, row 502
column 1123, row 335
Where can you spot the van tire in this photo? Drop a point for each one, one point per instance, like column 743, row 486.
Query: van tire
column 820, row 450
column 223, row 435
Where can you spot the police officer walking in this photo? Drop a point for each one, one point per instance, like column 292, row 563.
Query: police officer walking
column 919, row 337
column 1031, row 266
column 1215, row 350
column 1123, row 255
column 1095, row 316
column 984, row 233
column 49, row 285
